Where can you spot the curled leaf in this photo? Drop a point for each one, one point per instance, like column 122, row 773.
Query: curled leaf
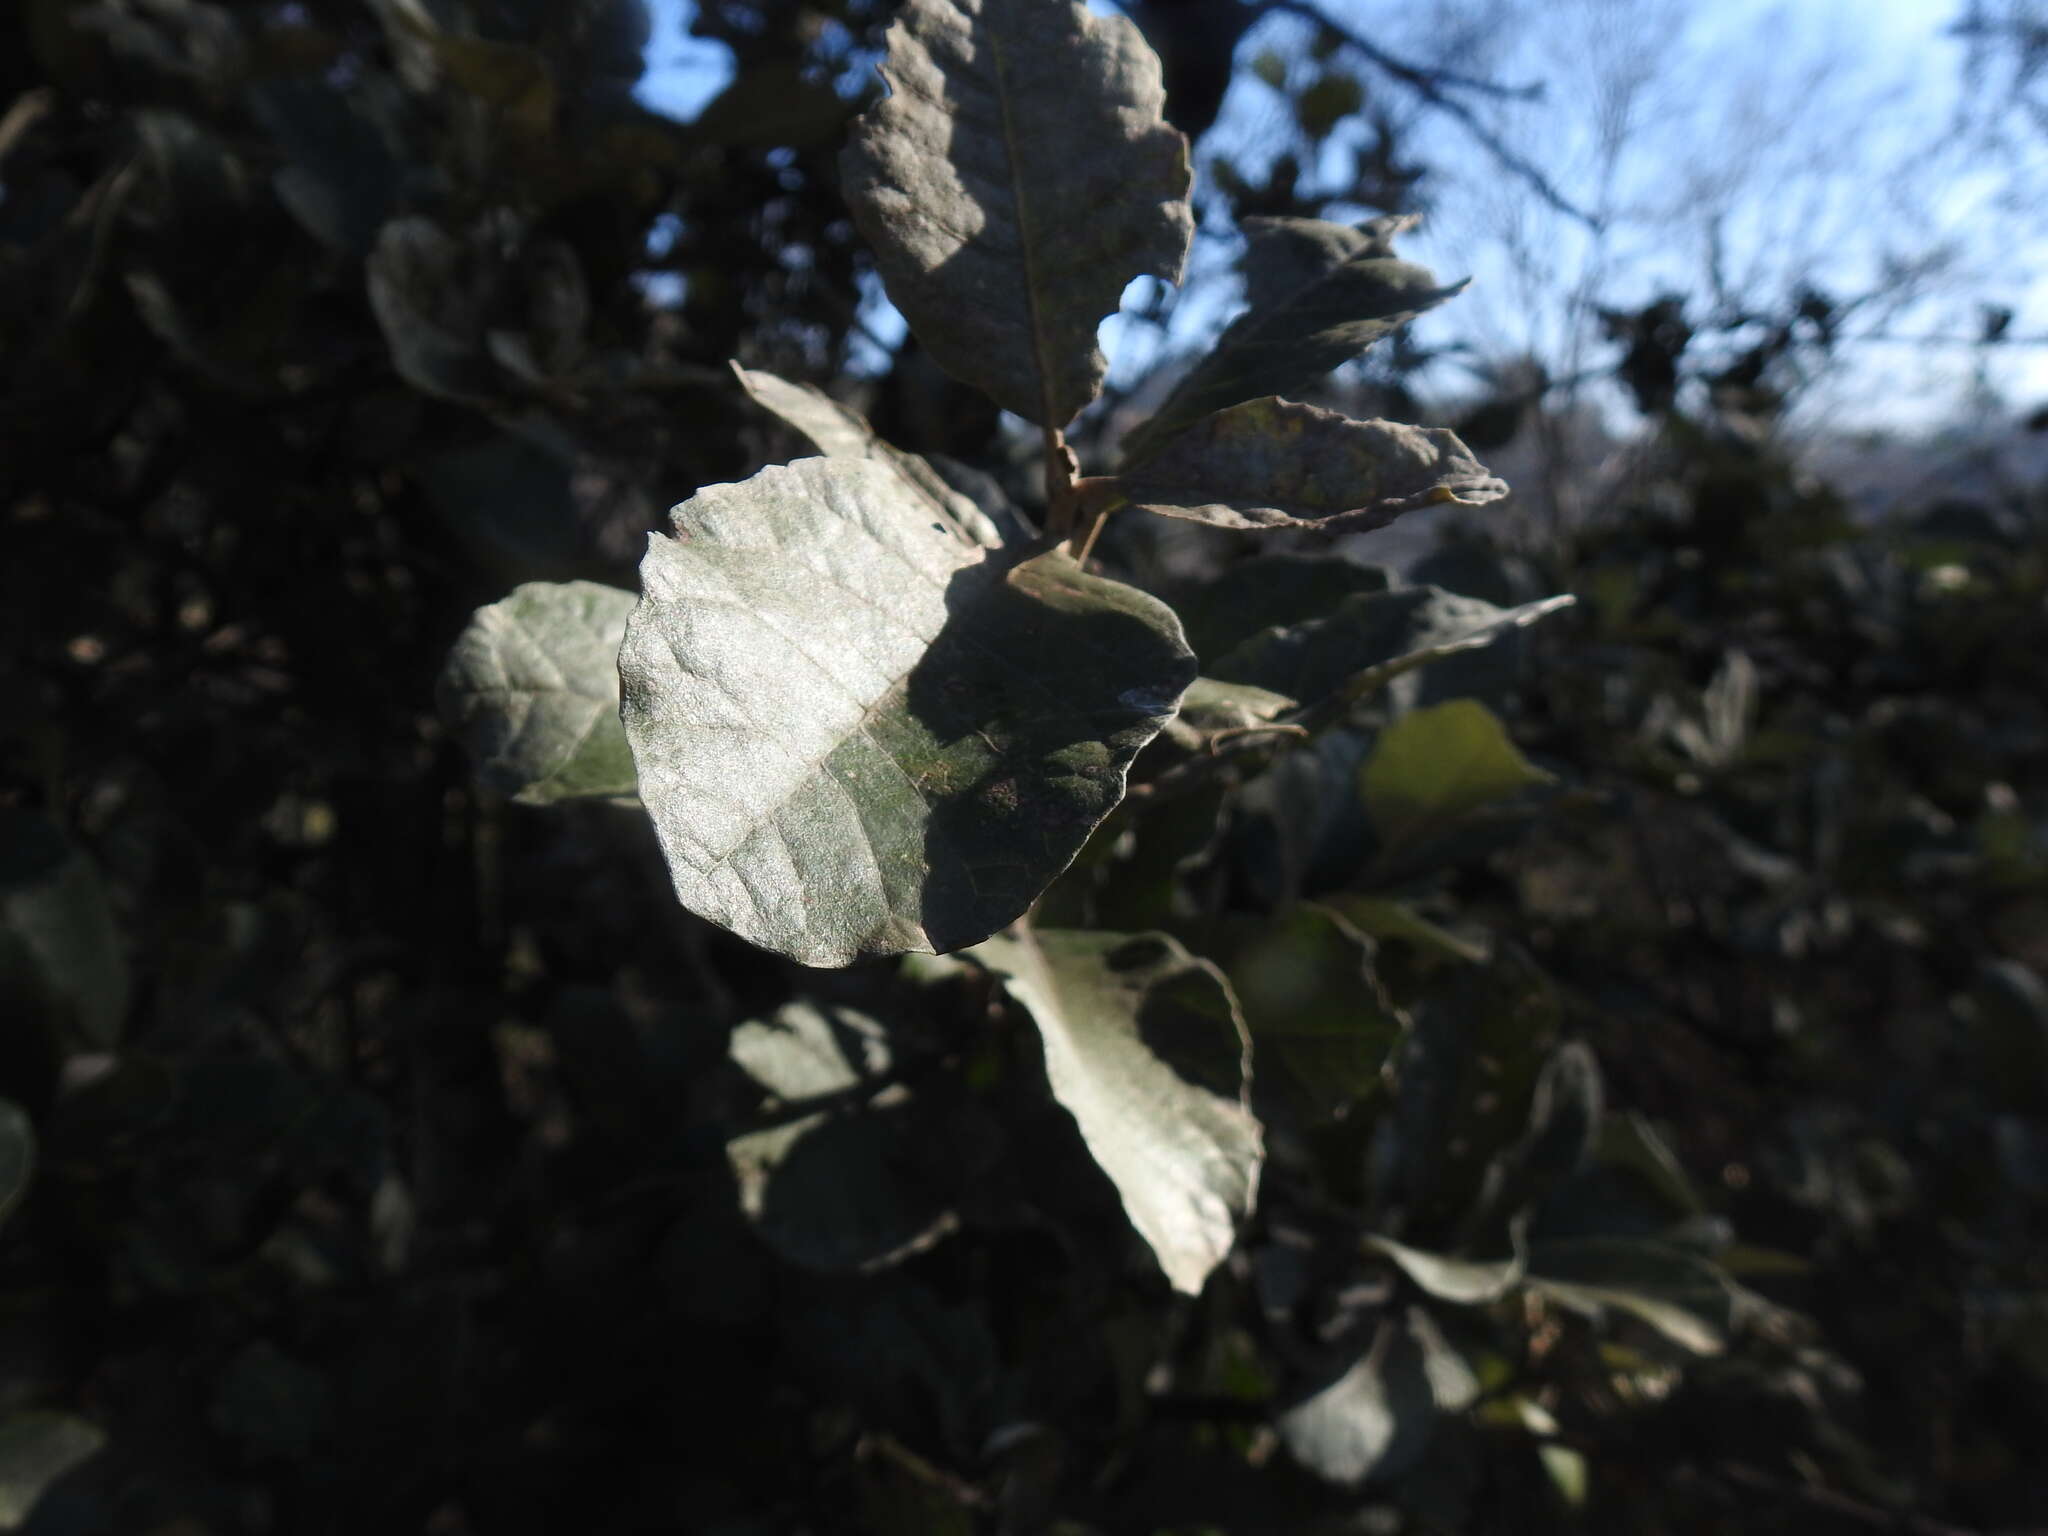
column 1272, row 463
column 1317, row 295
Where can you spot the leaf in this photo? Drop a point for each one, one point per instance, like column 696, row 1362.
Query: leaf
column 1327, row 100
column 272, row 1406
column 1271, row 464
column 1374, row 640
column 60, row 957
column 430, row 292
column 1145, row 1046
column 17, row 1156
column 831, row 1190
column 532, row 686
column 1317, row 295
column 1565, row 1112
column 1435, row 766
column 859, row 733
column 1682, row 1296
column 339, row 177
column 1463, row 1280
column 825, row 426
column 510, row 499
column 1315, row 1010
column 1209, row 709
column 1269, row 590
column 774, row 102
column 1376, row 1419
column 1467, row 1075
column 35, row 1450
column 1385, row 918
column 1016, row 178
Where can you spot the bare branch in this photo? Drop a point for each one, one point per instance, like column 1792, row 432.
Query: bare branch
column 1435, row 86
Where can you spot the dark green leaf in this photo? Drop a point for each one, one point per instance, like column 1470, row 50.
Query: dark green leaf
column 432, row 293
column 339, row 178
column 1374, row 641
column 775, row 102
column 1016, row 178
column 1318, row 295
column 510, row 499
column 1327, row 100
column 35, row 1450
column 1467, row 1074
column 1270, row 590
column 1145, row 1046
column 60, row 958
column 1299, row 827
column 532, row 686
column 273, row 1406
column 1271, row 464
column 1321, row 1025
column 860, row 733
column 1435, row 766
column 17, row 1156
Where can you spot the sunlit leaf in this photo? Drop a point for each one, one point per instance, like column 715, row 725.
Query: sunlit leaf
column 1271, row 464
column 1449, row 1277
column 1016, row 178
column 17, row 1156
column 532, row 686
column 1434, row 766
column 1210, row 710
column 832, row 1189
column 822, row 425
column 35, row 1450
column 860, row 733
column 60, row 957
column 1377, row 1418
column 1679, row 1294
column 1145, row 1046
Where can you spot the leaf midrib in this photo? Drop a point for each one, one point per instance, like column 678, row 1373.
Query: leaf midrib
column 1025, row 234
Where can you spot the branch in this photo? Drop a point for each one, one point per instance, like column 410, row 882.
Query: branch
column 1889, row 339
column 1434, row 86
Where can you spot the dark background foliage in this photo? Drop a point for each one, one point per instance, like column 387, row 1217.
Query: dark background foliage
column 381, row 1175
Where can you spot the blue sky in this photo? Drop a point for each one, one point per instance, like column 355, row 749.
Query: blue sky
column 1822, row 127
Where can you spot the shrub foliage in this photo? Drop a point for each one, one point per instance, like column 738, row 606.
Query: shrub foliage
column 1241, row 1042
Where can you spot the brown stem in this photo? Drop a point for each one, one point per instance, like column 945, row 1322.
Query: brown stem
column 1061, row 510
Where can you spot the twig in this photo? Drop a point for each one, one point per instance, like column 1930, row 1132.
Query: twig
column 889, row 1448
column 1434, row 86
